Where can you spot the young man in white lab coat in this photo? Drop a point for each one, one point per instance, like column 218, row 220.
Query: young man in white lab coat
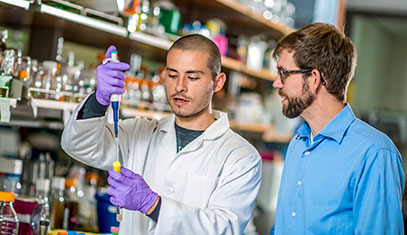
column 184, row 174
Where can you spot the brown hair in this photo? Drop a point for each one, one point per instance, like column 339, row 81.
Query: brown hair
column 197, row 42
column 323, row 47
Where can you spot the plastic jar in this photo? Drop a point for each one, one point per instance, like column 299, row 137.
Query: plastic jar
column 8, row 216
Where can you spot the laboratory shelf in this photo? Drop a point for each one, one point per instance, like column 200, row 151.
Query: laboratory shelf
column 55, row 125
column 238, row 17
column 13, row 102
column 233, row 4
column 271, row 136
column 84, row 26
column 53, row 104
column 151, row 40
column 252, row 127
column 116, row 29
column 17, row 3
column 150, row 114
column 99, row 33
column 81, row 26
column 238, row 66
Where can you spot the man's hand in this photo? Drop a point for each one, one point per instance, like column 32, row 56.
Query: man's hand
column 110, row 79
column 129, row 190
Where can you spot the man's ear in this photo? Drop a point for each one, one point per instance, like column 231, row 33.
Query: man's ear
column 316, row 79
column 219, row 82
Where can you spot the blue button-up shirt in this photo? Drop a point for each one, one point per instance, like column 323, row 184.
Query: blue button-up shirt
column 349, row 180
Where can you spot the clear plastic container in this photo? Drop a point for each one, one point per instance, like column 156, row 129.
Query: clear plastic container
column 41, row 213
column 8, row 217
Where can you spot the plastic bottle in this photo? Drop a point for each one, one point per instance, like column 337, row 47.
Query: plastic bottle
column 57, row 202
column 8, row 217
column 41, row 213
column 71, row 210
column 87, row 208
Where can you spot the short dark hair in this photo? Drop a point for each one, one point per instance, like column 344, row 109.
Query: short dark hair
column 197, row 42
column 323, row 47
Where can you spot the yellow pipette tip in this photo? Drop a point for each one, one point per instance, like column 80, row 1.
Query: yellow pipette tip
column 116, row 166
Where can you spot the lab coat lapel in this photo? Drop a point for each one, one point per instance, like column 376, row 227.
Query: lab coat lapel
column 218, row 128
column 167, row 135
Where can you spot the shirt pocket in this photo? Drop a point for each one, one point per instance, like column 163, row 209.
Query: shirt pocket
column 198, row 189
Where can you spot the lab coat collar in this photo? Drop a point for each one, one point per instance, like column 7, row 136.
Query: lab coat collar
column 220, row 126
column 166, row 126
column 215, row 130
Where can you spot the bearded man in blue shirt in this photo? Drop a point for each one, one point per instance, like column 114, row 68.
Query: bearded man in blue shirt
column 341, row 176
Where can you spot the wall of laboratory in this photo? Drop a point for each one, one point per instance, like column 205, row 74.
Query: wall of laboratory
column 381, row 76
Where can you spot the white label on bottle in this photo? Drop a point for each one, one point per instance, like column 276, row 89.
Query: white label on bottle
column 112, row 209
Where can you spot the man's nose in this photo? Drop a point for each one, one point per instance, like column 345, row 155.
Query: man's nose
column 277, row 82
column 181, row 85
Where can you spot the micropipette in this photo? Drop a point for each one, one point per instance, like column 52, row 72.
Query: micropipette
column 115, row 99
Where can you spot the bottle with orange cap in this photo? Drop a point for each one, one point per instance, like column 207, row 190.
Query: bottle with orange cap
column 71, row 209
column 8, row 217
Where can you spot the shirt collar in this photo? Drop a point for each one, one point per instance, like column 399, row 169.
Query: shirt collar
column 335, row 129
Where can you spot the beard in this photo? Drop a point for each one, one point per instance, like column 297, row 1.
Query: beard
column 189, row 114
column 296, row 105
column 197, row 106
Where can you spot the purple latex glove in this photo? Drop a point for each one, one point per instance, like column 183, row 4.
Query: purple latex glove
column 110, row 79
column 129, row 190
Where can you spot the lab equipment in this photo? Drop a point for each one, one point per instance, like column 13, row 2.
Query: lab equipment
column 8, row 216
column 7, row 64
column 115, row 99
column 40, row 216
column 87, row 209
column 10, row 173
column 106, row 212
column 116, row 167
column 71, row 206
column 104, row 78
column 57, row 202
column 24, row 206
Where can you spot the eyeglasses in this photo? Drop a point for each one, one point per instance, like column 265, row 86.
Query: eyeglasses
column 284, row 74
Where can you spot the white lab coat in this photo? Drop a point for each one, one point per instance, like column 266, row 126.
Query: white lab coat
column 208, row 188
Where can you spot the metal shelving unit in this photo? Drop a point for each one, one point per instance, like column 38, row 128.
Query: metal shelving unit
column 18, row 3
column 84, row 20
column 154, row 43
column 98, row 32
column 13, row 102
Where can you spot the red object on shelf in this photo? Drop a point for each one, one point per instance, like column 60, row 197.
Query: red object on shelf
column 271, row 155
